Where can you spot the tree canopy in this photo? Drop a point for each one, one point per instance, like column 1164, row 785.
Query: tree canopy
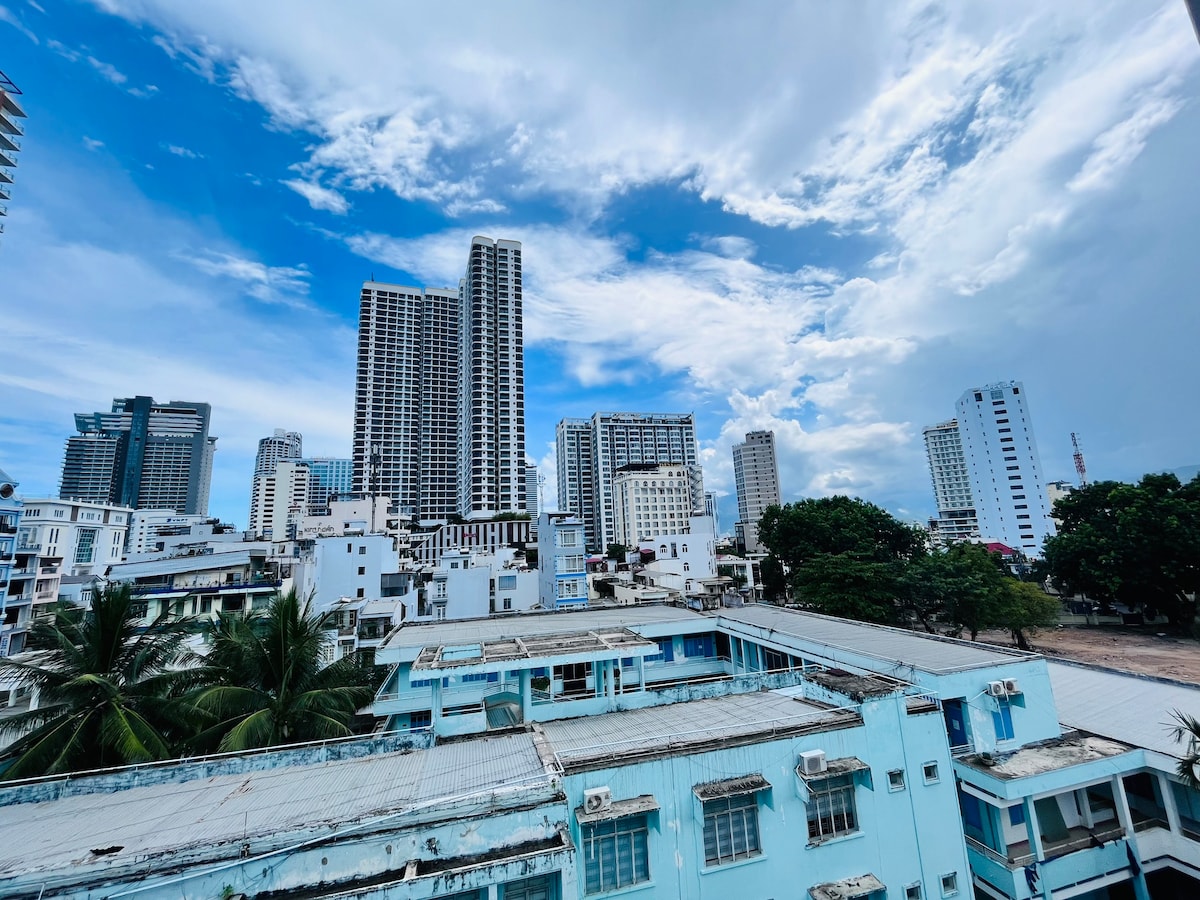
column 110, row 692
column 1131, row 544
column 849, row 558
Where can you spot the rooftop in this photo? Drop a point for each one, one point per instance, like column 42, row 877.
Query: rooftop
column 271, row 808
column 903, row 649
column 1047, row 756
column 1133, row 709
column 564, row 644
column 619, row 737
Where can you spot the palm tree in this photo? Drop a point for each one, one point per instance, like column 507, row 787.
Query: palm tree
column 109, row 691
column 274, row 689
column 1187, row 728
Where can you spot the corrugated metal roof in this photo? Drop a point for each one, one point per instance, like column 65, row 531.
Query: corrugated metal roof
column 176, row 564
column 682, row 724
column 895, row 645
column 476, row 631
column 1134, row 709
column 266, row 808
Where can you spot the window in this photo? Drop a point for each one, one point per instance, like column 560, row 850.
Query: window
column 568, row 538
column 1016, row 814
column 831, row 810
column 699, row 645
column 362, row 570
column 912, row 892
column 507, row 582
column 949, row 884
column 896, row 780
column 362, row 550
column 615, row 854
column 84, row 549
column 360, row 593
column 731, row 829
column 666, row 651
column 420, row 719
column 930, row 771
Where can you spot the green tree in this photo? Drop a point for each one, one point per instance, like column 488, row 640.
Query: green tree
column 847, row 557
column 1187, row 729
column 1133, row 544
column 617, row 552
column 274, row 690
column 774, row 581
column 1024, row 606
column 978, row 588
column 109, row 691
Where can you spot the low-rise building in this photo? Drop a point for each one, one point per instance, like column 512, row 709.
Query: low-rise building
column 562, row 571
column 87, row 537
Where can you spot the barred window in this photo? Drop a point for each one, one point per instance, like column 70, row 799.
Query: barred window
column 831, row 809
column 731, row 829
column 615, row 854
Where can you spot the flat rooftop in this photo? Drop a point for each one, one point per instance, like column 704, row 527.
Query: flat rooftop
column 526, row 625
column 1047, row 756
column 270, row 808
column 906, row 649
column 1133, row 709
column 614, row 738
column 589, row 643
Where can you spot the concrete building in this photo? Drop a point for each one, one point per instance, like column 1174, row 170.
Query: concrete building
column 10, row 144
column 682, row 559
column 354, row 515
column 533, row 493
column 440, row 396
column 749, row 752
column 11, row 508
column 329, row 478
column 280, row 501
column 650, row 499
column 562, row 572
column 348, row 566
column 711, row 510
column 487, row 538
column 756, row 475
column 1005, row 470
column 956, row 520
column 282, row 445
column 142, row 455
column 158, row 531
column 87, row 537
column 590, row 451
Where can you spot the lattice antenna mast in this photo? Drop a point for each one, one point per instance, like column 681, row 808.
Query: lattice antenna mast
column 1080, row 467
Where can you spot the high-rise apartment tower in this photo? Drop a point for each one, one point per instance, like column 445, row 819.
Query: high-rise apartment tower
column 143, row 455
column 281, row 446
column 756, row 474
column 956, row 520
column 590, row 451
column 439, row 422
column 10, row 134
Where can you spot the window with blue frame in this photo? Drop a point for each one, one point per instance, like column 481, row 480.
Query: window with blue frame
column 666, row 651
column 1002, row 720
column 731, row 829
column 423, row 683
column 481, row 676
column 700, row 645
column 1016, row 815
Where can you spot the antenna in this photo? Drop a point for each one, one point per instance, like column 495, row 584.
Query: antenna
column 1080, row 468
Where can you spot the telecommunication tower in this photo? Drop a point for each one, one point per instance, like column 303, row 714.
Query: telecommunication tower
column 1080, row 468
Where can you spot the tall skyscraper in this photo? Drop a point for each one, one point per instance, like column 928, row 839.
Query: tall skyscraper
column 1003, row 465
column 328, row 477
column 756, row 474
column 280, row 500
column 533, row 494
column 282, row 445
column 956, row 520
column 10, row 132
column 143, row 455
column 590, row 451
column 440, row 391
column 986, row 473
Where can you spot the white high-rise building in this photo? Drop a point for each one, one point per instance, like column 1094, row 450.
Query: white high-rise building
column 956, row 519
column 533, row 499
column 1002, row 462
column 756, row 474
column 439, row 420
column 650, row 499
column 280, row 501
column 282, row 445
column 591, row 450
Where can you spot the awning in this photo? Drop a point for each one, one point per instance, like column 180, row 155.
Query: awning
column 847, row 888
column 618, row 809
column 843, row 766
column 731, row 787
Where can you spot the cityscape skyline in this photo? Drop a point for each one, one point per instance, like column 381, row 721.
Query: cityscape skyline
column 831, row 265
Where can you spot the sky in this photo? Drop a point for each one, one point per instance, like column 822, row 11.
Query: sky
column 824, row 219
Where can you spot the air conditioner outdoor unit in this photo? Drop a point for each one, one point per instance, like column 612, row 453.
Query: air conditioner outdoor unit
column 1011, row 686
column 596, row 799
column 996, row 689
column 812, row 762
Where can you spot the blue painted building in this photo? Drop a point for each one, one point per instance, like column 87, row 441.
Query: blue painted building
column 658, row 752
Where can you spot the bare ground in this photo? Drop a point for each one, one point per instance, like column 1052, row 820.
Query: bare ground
column 1130, row 649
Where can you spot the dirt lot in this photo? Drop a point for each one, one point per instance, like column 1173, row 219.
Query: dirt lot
column 1129, row 648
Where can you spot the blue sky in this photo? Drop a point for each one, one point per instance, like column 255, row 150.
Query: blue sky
column 824, row 219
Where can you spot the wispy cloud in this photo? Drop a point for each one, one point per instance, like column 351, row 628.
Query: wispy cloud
column 177, row 150
column 7, row 15
column 92, row 143
column 319, row 197
column 107, row 71
column 287, row 285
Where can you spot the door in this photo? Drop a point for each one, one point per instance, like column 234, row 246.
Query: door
column 956, row 723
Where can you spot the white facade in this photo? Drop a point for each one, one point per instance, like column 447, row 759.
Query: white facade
column 650, row 500
column 360, row 515
column 440, row 398
column 956, row 519
column 756, row 473
column 347, row 566
column 273, row 450
column 562, row 571
column 88, row 537
column 1004, row 468
column 590, row 451
column 280, row 500
column 683, row 557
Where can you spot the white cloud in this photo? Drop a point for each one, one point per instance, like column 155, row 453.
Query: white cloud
column 7, row 15
column 108, row 71
column 92, row 143
column 287, row 285
column 319, row 197
column 177, row 150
